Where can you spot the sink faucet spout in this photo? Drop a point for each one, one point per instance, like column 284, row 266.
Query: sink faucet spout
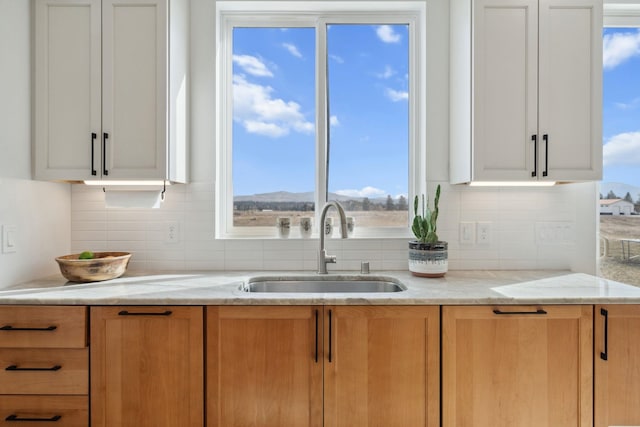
column 323, row 258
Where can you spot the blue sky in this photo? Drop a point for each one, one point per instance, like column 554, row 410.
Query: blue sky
column 621, row 105
column 274, row 110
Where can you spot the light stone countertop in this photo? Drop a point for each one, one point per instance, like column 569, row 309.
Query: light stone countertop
column 222, row 288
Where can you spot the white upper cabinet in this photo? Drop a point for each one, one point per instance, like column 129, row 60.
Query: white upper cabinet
column 526, row 90
column 110, row 90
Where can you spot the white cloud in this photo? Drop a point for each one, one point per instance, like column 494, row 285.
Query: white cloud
column 293, row 49
column 622, row 149
column 396, row 95
column 634, row 103
column 617, row 48
column 364, row 192
column 387, row 35
column 252, row 65
column 387, row 73
column 258, row 112
column 263, row 128
column 333, row 121
column 337, row 58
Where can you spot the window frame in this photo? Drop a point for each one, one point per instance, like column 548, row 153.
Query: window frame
column 316, row 14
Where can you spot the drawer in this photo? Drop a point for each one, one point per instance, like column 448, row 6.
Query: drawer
column 60, row 411
column 43, row 326
column 44, row 371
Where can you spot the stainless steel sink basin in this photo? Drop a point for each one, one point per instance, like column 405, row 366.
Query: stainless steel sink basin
column 323, row 284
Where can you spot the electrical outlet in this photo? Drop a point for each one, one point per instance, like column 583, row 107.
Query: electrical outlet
column 467, row 233
column 555, row 233
column 173, row 232
column 483, row 231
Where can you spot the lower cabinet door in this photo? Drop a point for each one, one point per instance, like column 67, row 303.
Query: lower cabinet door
column 524, row 366
column 381, row 366
column 147, row 366
column 31, row 411
column 617, row 365
column 264, row 366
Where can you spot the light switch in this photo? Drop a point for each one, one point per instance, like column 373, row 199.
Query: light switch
column 9, row 238
column 467, row 233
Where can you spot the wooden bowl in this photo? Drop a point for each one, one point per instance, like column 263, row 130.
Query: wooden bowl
column 104, row 266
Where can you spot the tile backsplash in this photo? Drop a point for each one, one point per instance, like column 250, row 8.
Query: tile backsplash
column 517, row 239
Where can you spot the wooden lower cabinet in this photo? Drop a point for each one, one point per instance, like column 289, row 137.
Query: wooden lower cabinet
column 312, row 366
column 147, row 366
column 524, row 366
column 262, row 368
column 617, row 365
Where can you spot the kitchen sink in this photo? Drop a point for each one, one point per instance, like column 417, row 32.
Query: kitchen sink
column 323, row 284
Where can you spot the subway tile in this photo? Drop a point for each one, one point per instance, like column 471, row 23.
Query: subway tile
column 89, row 225
column 88, row 235
column 213, row 264
column 126, row 245
column 283, row 265
column 127, row 235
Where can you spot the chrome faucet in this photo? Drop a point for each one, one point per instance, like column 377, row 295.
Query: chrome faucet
column 323, row 258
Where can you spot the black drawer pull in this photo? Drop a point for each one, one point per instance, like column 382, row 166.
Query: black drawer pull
column 11, row 328
column 105, row 136
column 93, row 140
column 16, row 368
column 604, row 355
column 316, row 336
column 538, row 311
column 14, row 417
column 129, row 313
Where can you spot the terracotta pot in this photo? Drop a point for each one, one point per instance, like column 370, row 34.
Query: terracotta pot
column 428, row 259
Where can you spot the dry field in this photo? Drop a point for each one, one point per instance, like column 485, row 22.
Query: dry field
column 363, row 218
column 612, row 266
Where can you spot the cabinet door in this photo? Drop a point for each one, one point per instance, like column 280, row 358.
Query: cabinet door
column 264, row 366
column 134, row 41
column 570, row 94
column 381, row 366
column 147, row 367
column 505, row 99
column 517, row 366
column 67, row 89
column 617, row 365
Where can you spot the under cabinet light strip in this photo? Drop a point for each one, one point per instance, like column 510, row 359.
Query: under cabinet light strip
column 512, row 184
column 107, row 183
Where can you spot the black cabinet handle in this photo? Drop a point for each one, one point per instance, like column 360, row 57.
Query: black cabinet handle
column 605, row 354
column 316, row 336
column 16, row 368
column 11, row 328
column 330, row 336
column 545, row 138
column 105, row 136
column 534, row 138
column 538, row 311
column 93, row 140
column 14, row 417
column 129, row 313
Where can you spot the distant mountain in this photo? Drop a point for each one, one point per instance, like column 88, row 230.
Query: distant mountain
column 620, row 190
column 286, row 196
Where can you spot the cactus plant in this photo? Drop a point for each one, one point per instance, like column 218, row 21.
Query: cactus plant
column 424, row 225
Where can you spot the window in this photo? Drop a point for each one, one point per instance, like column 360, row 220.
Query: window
column 318, row 101
column 620, row 188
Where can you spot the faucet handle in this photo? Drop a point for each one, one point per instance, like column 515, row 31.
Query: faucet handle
column 330, row 259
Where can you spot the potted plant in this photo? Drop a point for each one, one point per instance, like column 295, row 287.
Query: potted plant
column 427, row 255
